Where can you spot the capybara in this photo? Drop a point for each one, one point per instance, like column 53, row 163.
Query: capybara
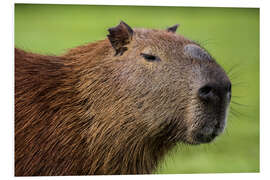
column 116, row 106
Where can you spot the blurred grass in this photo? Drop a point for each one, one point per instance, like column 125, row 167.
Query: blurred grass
column 231, row 35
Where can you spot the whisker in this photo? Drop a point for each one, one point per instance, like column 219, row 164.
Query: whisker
column 239, row 104
column 236, row 67
column 237, row 97
column 240, row 83
column 233, row 114
column 235, row 76
column 235, row 73
column 237, row 113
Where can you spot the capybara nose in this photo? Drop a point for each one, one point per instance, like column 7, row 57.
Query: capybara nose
column 214, row 92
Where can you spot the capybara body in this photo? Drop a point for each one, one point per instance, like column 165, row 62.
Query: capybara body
column 115, row 106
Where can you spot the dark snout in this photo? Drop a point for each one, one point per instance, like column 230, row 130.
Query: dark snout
column 214, row 92
column 215, row 97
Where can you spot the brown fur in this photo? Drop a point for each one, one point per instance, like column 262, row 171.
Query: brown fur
column 93, row 111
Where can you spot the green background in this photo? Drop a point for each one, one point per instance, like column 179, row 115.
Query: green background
column 231, row 35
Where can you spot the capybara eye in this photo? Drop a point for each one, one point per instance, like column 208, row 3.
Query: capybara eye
column 150, row 57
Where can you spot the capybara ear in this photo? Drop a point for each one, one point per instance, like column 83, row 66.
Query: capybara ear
column 173, row 28
column 120, row 36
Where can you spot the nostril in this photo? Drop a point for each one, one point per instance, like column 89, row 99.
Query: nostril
column 206, row 92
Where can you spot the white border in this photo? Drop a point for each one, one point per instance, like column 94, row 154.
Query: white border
column 7, row 82
column 201, row 3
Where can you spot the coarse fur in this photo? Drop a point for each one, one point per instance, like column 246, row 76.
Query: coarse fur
column 102, row 108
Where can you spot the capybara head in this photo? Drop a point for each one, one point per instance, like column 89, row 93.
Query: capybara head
column 178, row 87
